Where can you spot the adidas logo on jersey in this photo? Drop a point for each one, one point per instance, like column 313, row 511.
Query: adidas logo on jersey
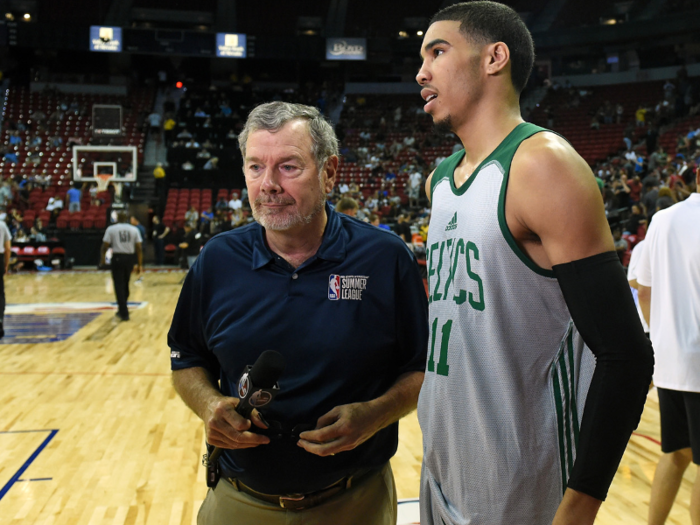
column 452, row 225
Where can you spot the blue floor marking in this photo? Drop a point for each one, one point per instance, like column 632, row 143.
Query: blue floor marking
column 44, row 327
column 14, row 479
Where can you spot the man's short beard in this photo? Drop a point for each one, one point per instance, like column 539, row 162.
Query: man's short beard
column 285, row 221
column 444, row 126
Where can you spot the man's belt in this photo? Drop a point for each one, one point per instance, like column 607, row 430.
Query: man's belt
column 303, row 501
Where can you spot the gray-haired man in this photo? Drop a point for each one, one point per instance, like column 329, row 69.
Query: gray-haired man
column 342, row 302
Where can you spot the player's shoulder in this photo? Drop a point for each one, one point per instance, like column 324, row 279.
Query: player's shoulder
column 546, row 149
column 547, row 160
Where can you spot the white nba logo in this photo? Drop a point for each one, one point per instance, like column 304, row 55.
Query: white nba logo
column 106, row 34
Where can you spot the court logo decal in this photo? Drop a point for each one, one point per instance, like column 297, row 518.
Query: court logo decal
column 347, row 287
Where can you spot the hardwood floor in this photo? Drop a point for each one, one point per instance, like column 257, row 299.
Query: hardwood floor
column 127, row 450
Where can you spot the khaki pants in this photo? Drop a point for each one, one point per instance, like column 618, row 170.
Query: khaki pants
column 371, row 502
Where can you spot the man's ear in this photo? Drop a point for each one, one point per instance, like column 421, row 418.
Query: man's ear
column 499, row 57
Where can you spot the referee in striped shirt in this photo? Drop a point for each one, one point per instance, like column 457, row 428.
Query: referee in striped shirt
column 125, row 241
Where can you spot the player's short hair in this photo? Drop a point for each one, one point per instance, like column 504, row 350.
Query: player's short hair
column 485, row 22
column 346, row 203
column 272, row 116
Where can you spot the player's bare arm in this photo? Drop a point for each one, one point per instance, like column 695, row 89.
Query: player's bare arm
column 553, row 206
column 225, row 427
column 348, row 426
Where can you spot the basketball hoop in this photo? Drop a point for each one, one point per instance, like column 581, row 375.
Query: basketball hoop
column 103, row 181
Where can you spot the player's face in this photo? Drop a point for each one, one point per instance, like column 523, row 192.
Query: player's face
column 450, row 74
column 285, row 188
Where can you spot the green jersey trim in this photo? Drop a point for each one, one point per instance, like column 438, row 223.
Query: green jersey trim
column 525, row 131
column 446, row 170
column 564, row 391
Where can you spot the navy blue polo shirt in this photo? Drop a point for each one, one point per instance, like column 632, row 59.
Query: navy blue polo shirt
column 348, row 322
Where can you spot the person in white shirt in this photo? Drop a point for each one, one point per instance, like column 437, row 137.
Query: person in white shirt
column 632, row 278
column 235, row 203
column 414, row 182
column 668, row 279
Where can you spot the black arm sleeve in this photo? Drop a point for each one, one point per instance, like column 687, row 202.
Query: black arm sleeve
column 598, row 296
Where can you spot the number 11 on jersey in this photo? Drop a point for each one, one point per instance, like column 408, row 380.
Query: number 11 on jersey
column 443, row 368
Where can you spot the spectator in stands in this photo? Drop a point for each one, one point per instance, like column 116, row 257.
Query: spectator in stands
column 620, row 243
column 192, row 217
column 619, row 112
column 56, row 116
column 658, row 158
column 184, row 134
column 650, row 198
column 221, row 205
column 159, row 233
column 635, row 220
column 187, row 166
column 19, row 235
column 235, row 203
column 154, row 121
column 651, row 138
column 374, row 220
column 348, row 206
column 39, row 117
column 15, row 139
column 403, row 228
column 415, row 179
column 212, row 164
column 6, row 195
column 73, row 196
column 190, row 244
column 9, row 155
column 200, row 113
column 55, row 141
column 38, row 232
column 137, row 224
column 159, row 178
column 205, row 219
column 203, row 154
column 34, row 157
column 168, row 129
column 192, row 144
column 640, row 116
column 635, row 189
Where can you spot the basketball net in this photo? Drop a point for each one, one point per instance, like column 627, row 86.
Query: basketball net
column 103, row 181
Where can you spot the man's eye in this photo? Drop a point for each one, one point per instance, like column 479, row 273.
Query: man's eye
column 288, row 167
column 437, row 52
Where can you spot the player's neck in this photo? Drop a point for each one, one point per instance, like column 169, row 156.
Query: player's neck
column 298, row 244
column 486, row 128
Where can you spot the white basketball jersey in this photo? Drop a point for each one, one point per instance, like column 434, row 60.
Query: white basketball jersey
column 507, row 372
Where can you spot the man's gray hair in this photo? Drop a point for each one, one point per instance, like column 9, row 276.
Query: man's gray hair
column 272, row 116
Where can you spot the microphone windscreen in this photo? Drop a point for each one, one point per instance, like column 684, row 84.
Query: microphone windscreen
column 267, row 369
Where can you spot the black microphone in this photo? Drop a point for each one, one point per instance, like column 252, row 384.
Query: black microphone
column 258, row 384
column 256, row 388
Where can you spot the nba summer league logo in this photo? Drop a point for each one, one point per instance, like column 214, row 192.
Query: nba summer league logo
column 346, row 287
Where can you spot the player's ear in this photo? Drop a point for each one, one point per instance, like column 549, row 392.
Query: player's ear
column 498, row 57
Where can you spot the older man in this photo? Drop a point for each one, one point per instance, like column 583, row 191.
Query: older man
column 342, row 301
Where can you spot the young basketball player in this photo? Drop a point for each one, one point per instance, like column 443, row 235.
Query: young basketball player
column 538, row 366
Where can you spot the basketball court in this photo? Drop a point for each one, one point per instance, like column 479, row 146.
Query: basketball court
column 92, row 432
